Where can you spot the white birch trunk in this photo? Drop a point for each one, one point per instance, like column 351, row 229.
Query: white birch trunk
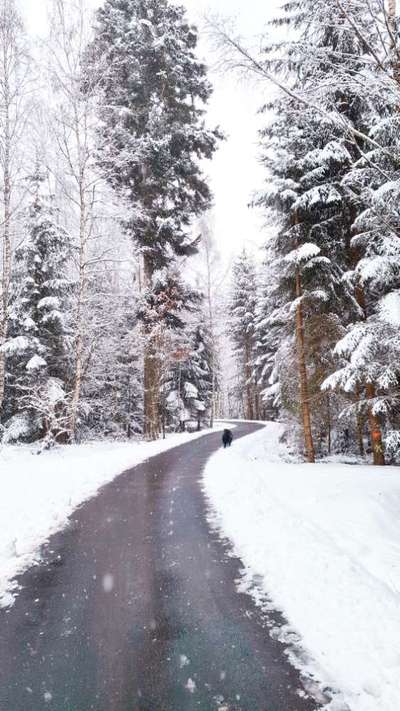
column 79, row 321
column 74, row 141
column 210, row 304
column 12, row 88
column 6, row 247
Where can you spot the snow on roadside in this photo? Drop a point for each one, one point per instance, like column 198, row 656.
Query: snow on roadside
column 39, row 493
column 325, row 541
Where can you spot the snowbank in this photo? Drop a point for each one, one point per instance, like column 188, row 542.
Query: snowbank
column 325, row 540
column 39, row 493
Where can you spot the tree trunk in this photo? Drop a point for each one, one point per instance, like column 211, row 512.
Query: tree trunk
column 257, row 413
column 373, row 421
column 151, row 422
column 360, row 437
column 151, row 414
column 5, row 282
column 6, row 256
column 303, row 379
column 212, row 330
column 163, row 423
column 391, row 11
column 359, row 425
column 329, row 423
column 249, row 382
column 212, row 407
column 79, row 337
column 375, row 430
column 71, row 125
column 392, row 28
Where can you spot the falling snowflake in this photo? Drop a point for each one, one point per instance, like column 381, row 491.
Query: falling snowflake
column 191, row 686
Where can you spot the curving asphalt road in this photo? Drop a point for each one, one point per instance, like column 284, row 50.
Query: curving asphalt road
column 135, row 608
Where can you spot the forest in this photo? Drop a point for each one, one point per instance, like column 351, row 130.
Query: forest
column 199, row 355
column 319, row 342
column 115, row 320
column 102, row 137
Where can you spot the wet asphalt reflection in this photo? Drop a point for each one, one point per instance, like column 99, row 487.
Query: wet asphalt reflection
column 135, row 607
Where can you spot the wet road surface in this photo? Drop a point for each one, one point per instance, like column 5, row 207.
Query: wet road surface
column 134, row 607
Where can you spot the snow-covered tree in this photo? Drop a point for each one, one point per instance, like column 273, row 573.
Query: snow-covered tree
column 270, row 326
column 14, row 89
column 189, row 378
column 112, row 391
column 369, row 353
column 312, row 157
column 71, row 127
column 163, row 310
column 242, row 310
column 152, row 136
column 205, row 372
column 37, row 351
column 333, row 136
column 211, row 280
column 309, row 252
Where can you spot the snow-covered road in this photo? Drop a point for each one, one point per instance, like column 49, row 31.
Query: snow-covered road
column 325, row 542
column 39, row 493
column 134, row 606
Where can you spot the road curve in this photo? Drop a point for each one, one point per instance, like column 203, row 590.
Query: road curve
column 134, row 607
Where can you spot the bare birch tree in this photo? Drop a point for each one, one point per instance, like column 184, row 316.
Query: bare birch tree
column 14, row 80
column 209, row 259
column 73, row 130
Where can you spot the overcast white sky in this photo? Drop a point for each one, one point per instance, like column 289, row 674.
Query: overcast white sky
column 235, row 172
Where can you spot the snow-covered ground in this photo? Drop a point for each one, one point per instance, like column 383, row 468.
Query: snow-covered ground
column 324, row 544
column 39, row 493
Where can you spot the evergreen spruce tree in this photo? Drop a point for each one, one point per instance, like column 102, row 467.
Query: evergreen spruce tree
column 112, row 401
column 38, row 349
column 309, row 252
column 270, row 327
column 206, row 377
column 198, row 377
column 188, row 384
column 309, row 196
column 368, row 355
column 242, row 310
column 367, row 362
column 152, row 138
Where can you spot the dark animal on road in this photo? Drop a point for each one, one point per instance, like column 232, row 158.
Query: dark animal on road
column 227, row 438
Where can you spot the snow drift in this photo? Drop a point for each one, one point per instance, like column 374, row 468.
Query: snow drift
column 325, row 541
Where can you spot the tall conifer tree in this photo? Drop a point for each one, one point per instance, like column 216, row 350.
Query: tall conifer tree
column 316, row 208
column 38, row 348
column 153, row 137
column 242, row 308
